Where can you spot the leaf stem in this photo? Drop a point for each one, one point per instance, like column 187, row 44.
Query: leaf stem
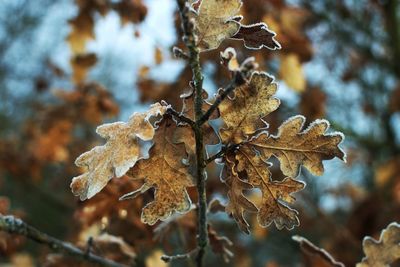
column 13, row 225
column 189, row 38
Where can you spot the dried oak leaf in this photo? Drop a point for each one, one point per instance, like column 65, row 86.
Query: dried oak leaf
column 243, row 114
column 237, row 204
column 215, row 21
column 257, row 36
column 275, row 194
column 184, row 133
column 294, row 147
column 382, row 252
column 315, row 256
column 120, row 152
column 164, row 171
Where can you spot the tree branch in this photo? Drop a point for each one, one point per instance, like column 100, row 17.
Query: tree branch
column 185, row 256
column 13, row 225
column 180, row 117
column 222, row 152
column 194, row 61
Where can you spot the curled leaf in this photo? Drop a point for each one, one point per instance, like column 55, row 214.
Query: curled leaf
column 257, row 36
column 117, row 156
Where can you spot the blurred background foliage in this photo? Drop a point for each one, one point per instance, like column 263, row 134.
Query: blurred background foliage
column 67, row 66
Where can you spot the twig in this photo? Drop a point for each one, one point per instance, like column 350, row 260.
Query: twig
column 190, row 40
column 222, row 152
column 178, row 53
column 13, row 225
column 180, row 117
column 185, row 256
column 237, row 81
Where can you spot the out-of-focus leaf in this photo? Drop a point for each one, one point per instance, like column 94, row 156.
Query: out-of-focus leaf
column 154, row 259
column 382, row 252
column 315, row 256
column 81, row 64
column 291, row 72
column 220, row 244
column 81, row 32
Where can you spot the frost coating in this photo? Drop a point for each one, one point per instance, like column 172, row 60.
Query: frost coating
column 117, row 156
column 165, row 172
column 294, row 147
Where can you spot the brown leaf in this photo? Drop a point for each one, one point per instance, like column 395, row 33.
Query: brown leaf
column 244, row 113
column 257, row 36
column 215, row 22
column 51, row 145
column 82, row 31
column 220, row 244
column 382, row 252
column 133, row 11
column 315, row 256
column 238, row 203
column 120, row 152
column 312, row 103
column 275, row 194
column 291, row 72
column 294, row 147
column 165, row 172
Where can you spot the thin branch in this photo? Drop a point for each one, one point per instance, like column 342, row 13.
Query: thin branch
column 221, row 153
column 13, row 225
column 188, row 255
column 180, row 117
column 237, row 81
column 178, row 53
column 189, row 38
